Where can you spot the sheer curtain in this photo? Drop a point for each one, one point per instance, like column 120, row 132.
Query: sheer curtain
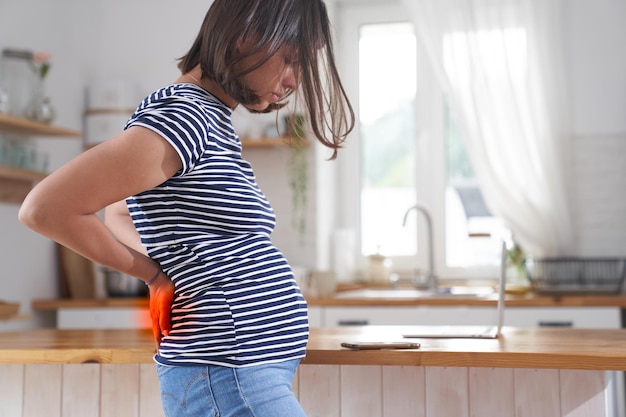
column 499, row 63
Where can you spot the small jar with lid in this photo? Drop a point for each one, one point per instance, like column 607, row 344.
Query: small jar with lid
column 378, row 268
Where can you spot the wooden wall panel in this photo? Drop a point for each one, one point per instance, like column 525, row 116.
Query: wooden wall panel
column 491, row 392
column 149, row 392
column 537, row 393
column 404, row 391
column 361, row 391
column 447, row 393
column 11, row 390
column 42, row 390
column 582, row 393
column 120, row 391
column 112, row 390
column 319, row 390
column 81, row 390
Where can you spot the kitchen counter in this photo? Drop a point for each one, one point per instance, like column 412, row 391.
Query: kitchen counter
column 527, row 300
column 517, row 348
column 526, row 310
column 512, row 300
column 548, row 372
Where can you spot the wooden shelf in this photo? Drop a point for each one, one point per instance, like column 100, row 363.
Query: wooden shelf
column 111, row 302
column 8, row 310
column 247, row 143
column 262, row 143
column 23, row 126
column 21, row 174
column 15, row 183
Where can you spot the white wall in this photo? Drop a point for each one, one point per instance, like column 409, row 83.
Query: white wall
column 596, row 65
column 140, row 40
column 136, row 41
column 28, row 260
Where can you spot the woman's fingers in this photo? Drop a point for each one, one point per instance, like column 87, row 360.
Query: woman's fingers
column 161, row 299
column 156, row 331
column 165, row 323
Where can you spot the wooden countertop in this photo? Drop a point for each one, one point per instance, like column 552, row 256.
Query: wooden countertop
column 516, row 348
column 121, row 302
column 512, row 300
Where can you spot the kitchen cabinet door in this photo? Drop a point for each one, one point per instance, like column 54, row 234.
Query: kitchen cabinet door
column 584, row 317
column 413, row 315
column 103, row 318
column 363, row 316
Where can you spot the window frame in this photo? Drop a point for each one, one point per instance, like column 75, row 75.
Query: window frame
column 430, row 171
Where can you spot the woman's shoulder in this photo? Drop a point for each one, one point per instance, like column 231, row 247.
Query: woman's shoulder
column 183, row 101
column 182, row 93
column 187, row 114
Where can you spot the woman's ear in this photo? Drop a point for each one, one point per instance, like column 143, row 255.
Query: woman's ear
column 239, row 44
column 246, row 43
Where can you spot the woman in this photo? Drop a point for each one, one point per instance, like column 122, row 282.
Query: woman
column 185, row 215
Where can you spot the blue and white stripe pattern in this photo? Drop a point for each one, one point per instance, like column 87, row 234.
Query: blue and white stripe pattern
column 236, row 301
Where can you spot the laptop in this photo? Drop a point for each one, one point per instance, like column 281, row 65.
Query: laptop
column 472, row 332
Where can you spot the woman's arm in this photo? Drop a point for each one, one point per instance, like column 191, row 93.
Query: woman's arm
column 63, row 206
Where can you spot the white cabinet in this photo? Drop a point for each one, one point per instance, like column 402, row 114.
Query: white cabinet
column 103, row 318
column 458, row 315
column 333, row 316
column 583, row 317
column 362, row 316
column 412, row 315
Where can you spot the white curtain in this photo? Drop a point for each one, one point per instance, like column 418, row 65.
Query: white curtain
column 500, row 64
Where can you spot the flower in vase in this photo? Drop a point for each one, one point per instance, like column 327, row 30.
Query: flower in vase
column 40, row 108
column 41, row 61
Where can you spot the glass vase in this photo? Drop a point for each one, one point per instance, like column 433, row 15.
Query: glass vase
column 16, row 81
column 40, row 108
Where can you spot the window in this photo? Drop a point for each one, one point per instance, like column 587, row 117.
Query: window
column 387, row 87
column 408, row 148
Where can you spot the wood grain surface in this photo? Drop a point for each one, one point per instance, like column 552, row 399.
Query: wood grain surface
column 543, row 348
column 512, row 300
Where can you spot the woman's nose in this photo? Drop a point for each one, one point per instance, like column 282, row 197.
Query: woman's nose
column 290, row 79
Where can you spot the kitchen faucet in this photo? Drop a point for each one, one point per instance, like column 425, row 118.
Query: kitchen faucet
column 430, row 275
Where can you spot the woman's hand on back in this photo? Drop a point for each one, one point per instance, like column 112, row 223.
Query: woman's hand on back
column 161, row 299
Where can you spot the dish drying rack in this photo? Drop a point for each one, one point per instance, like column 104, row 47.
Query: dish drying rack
column 576, row 275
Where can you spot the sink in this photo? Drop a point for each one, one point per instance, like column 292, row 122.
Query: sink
column 411, row 293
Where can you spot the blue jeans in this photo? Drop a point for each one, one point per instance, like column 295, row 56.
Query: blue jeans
column 208, row 391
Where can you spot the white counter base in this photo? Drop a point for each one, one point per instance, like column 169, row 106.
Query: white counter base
column 120, row 390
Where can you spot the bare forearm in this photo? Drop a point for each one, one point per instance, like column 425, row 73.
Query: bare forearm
column 63, row 206
column 87, row 235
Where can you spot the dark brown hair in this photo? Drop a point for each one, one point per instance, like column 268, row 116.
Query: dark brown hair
column 269, row 25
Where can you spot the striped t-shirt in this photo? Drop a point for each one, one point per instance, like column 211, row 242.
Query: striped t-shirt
column 236, row 301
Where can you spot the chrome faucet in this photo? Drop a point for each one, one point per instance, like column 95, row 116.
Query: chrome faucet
column 431, row 277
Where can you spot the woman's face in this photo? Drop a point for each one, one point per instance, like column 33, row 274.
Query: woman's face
column 273, row 80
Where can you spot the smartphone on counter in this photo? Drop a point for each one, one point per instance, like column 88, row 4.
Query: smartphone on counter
column 380, row 345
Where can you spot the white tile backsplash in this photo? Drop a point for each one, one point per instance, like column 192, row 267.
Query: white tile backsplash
column 598, row 194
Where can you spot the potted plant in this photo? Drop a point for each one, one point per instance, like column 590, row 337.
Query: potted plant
column 298, row 172
column 515, row 264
